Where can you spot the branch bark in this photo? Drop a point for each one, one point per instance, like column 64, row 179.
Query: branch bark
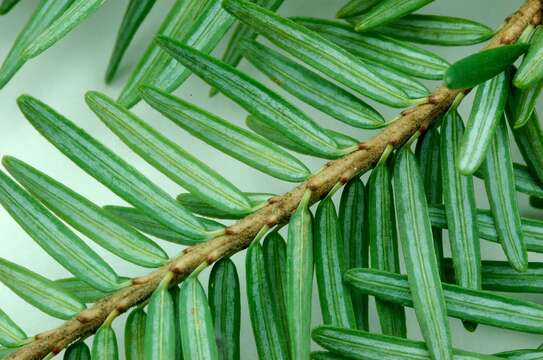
column 279, row 209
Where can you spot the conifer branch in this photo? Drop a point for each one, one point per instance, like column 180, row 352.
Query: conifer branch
column 278, row 211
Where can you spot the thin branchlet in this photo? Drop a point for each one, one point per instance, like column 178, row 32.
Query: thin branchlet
column 277, row 211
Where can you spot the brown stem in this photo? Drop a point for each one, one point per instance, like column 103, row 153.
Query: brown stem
column 240, row 235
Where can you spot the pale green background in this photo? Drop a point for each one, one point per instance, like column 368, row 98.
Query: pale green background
column 62, row 75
